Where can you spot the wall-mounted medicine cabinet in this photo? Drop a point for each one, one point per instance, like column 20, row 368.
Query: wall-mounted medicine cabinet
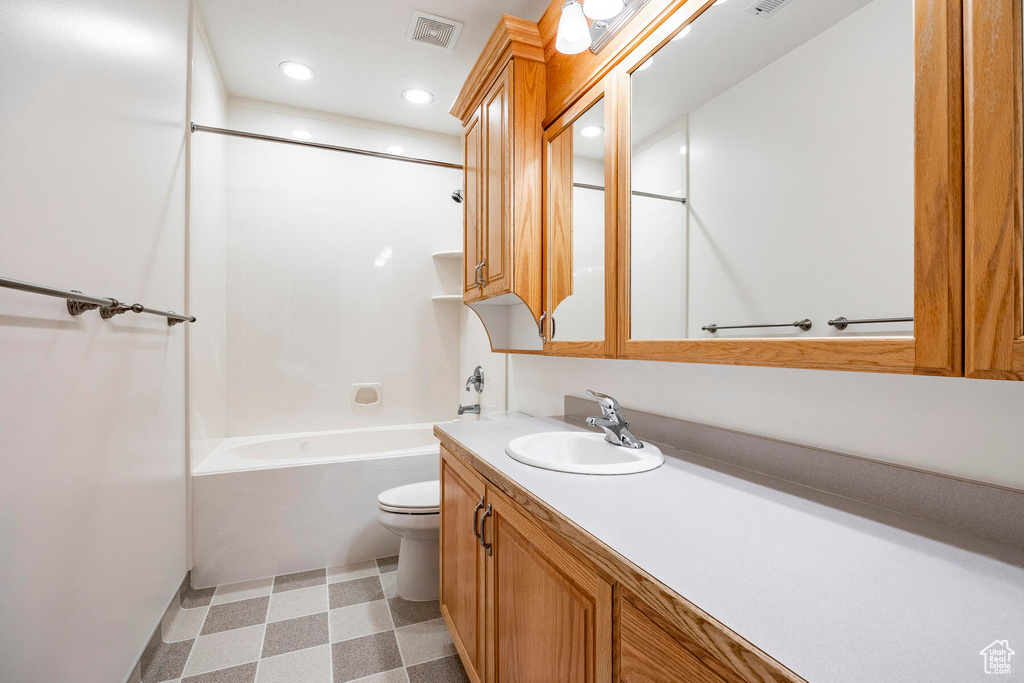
column 795, row 203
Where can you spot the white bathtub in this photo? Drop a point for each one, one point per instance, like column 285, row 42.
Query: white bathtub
column 288, row 502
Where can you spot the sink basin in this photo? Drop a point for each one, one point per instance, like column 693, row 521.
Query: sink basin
column 582, row 453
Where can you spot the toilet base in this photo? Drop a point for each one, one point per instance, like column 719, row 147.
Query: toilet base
column 419, row 576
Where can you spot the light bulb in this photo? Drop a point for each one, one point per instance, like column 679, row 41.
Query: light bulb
column 299, row 72
column 602, row 9
column 573, row 30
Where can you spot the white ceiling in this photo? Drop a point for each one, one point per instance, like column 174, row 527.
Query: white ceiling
column 358, row 50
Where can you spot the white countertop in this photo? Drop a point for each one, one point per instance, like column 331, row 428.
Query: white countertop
column 833, row 589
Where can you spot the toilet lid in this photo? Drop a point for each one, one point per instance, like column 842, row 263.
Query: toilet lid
column 412, row 499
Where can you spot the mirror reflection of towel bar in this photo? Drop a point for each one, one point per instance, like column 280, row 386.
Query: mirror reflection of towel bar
column 804, row 325
column 635, row 193
column 841, row 323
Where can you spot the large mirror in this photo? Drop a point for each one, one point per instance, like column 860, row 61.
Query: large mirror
column 772, row 174
column 576, row 229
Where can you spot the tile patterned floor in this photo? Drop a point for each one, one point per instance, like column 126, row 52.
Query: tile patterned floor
column 322, row 626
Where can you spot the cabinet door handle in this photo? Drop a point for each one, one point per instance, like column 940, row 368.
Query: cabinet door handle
column 476, row 514
column 476, row 275
column 540, row 327
column 483, row 528
column 483, row 264
column 552, row 328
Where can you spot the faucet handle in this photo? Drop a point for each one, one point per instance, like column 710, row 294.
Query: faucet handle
column 607, row 403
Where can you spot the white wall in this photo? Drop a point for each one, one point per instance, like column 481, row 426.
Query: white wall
column 330, row 275
column 92, row 447
column 207, row 367
column 955, row 426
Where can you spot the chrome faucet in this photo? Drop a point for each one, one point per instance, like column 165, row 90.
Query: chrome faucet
column 612, row 422
column 476, row 380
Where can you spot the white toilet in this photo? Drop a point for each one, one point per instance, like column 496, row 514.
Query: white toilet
column 413, row 512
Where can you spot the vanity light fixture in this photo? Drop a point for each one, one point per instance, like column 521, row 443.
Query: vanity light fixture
column 299, row 72
column 301, row 134
column 609, row 17
column 573, row 34
column 681, row 34
column 602, row 9
column 591, row 131
column 417, row 96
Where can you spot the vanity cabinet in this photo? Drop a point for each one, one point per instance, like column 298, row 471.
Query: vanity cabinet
column 529, row 597
column 520, row 605
column 501, row 106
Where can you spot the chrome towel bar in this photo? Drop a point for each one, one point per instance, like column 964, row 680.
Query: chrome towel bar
column 79, row 303
column 841, row 323
column 804, row 325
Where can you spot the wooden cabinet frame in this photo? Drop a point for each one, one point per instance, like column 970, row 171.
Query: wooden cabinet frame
column 936, row 348
column 993, row 159
column 558, row 225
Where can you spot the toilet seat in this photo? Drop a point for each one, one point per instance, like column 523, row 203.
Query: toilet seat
column 421, row 498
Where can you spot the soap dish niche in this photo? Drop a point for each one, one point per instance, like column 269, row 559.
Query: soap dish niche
column 367, row 395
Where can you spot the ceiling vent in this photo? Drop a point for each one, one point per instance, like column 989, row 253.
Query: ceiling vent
column 432, row 30
column 767, row 8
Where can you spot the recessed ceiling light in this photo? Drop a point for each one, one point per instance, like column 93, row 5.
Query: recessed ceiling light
column 647, row 64
column 591, row 131
column 302, row 134
column 417, row 96
column 299, row 72
column 681, row 34
column 395, row 149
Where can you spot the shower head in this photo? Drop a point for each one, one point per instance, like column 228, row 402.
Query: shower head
column 457, row 197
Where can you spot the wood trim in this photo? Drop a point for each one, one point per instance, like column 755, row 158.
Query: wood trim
column 512, row 38
column 558, row 174
column 712, row 638
column 891, row 354
column 993, row 189
column 938, row 183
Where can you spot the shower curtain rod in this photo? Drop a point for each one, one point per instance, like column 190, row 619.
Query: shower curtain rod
column 196, row 128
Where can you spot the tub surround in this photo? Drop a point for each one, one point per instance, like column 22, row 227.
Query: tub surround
column 830, row 587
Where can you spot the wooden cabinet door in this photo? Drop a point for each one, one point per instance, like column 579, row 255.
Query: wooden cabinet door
column 498, row 174
column 548, row 612
column 473, row 200
column 462, row 561
column 649, row 654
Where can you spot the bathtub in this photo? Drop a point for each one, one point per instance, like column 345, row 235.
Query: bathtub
column 284, row 503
